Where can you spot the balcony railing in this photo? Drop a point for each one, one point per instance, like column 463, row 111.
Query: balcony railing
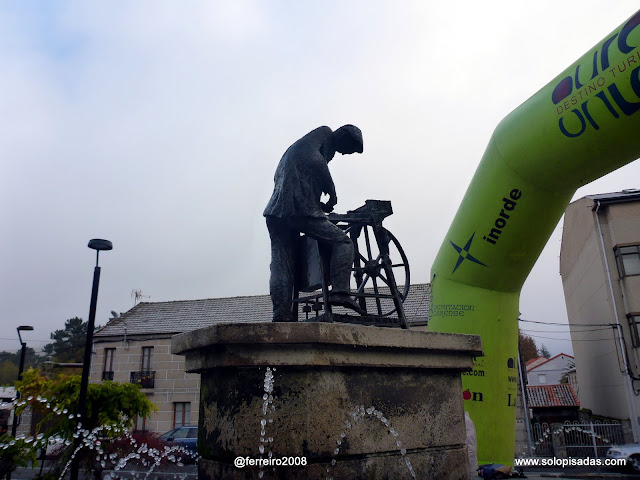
column 107, row 375
column 144, row 379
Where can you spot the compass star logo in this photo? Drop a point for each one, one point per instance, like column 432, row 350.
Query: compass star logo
column 464, row 253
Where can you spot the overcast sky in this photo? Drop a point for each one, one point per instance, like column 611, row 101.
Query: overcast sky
column 158, row 125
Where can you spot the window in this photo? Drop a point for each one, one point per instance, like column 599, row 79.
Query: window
column 144, row 379
column 109, row 356
column 634, row 328
column 147, row 359
column 181, row 414
column 542, row 378
column 628, row 259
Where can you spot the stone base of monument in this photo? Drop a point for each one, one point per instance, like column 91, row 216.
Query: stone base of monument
column 357, row 402
column 371, row 320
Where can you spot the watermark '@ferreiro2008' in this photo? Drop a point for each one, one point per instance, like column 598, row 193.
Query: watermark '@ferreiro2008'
column 241, row 462
column 570, row 462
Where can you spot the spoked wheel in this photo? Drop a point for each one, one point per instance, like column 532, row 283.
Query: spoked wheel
column 376, row 273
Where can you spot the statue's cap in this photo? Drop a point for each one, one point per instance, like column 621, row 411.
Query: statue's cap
column 349, row 135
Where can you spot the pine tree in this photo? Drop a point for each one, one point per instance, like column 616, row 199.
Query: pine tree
column 544, row 352
column 68, row 344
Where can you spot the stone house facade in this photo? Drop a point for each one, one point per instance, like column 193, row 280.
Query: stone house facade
column 148, row 361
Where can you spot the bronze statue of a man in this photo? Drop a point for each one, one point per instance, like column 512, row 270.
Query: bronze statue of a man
column 301, row 178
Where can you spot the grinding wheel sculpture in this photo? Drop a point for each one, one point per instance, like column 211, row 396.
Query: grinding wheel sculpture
column 379, row 263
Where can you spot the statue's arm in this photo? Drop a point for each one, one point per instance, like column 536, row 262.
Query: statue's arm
column 326, row 182
column 316, row 170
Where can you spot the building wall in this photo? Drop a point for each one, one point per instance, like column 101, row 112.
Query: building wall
column 572, row 378
column 522, row 437
column 171, row 384
column 624, row 228
column 553, row 370
column 535, row 362
column 589, row 304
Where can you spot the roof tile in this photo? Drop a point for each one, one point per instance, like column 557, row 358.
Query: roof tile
column 561, row 395
column 186, row 315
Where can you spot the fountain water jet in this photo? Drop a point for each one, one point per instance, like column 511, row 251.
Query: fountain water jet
column 358, row 413
column 92, row 440
column 267, row 405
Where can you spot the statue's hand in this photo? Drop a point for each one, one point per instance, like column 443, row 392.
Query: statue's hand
column 326, row 207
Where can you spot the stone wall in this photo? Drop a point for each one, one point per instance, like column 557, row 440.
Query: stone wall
column 354, row 401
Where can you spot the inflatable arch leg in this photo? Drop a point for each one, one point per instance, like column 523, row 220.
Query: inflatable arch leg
column 582, row 125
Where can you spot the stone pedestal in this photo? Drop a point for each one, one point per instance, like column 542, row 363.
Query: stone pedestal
column 358, row 402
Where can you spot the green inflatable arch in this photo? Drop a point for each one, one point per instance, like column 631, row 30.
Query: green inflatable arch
column 582, row 125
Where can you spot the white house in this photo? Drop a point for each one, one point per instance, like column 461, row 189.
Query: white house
column 549, row 371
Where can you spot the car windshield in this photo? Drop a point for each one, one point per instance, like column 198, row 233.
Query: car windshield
column 181, row 433
column 170, row 433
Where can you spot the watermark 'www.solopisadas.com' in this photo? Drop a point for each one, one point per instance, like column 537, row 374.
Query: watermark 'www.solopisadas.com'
column 570, row 462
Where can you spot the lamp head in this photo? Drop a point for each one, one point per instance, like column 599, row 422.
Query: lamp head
column 22, row 328
column 100, row 244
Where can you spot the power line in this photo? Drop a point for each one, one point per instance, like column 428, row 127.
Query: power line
column 575, row 339
column 29, row 340
column 572, row 324
column 600, row 329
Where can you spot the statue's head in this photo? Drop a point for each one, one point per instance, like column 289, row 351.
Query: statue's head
column 348, row 139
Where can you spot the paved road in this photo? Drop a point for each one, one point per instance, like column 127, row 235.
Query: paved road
column 571, row 476
column 186, row 472
column 189, row 472
column 579, row 473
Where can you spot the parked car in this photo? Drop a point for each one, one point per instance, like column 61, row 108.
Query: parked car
column 185, row 436
column 630, row 452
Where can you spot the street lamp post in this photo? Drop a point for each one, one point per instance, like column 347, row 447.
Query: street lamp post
column 97, row 245
column 23, row 354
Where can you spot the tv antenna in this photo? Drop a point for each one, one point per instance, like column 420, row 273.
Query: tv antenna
column 137, row 295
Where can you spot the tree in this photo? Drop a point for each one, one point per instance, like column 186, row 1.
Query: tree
column 110, row 407
column 68, row 344
column 9, row 364
column 8, row 372
column 544, row 352
column 565, row 376
column 107, row 402
column 15, row 453
column 527, row 346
